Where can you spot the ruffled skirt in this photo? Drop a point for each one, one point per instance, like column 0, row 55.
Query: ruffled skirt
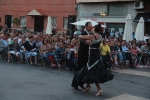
column 97, row 74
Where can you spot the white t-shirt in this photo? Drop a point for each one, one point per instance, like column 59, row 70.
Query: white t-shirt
column 76, row 32
column 145, row 38
column 19, row 40
column 117, row 34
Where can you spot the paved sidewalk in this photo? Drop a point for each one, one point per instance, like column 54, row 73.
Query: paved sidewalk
column 127, row 97
column 133, row 72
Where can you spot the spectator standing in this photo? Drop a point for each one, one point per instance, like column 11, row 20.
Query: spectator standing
column 146, row 37
column 133, row 35
column 112, row 34
column 117, row 34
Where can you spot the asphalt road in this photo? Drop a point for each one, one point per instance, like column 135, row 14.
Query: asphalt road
column 23, row 82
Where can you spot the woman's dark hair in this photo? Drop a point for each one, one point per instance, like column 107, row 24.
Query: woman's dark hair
column 44, row 40
column 97, row 28
column 16, row 45
column 30, row 37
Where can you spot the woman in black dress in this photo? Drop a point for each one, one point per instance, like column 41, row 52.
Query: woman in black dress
column 94, row 71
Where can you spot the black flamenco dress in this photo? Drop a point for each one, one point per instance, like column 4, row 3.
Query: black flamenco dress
column 94, row 71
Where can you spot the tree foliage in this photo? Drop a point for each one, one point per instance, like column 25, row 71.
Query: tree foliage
column 16, row 21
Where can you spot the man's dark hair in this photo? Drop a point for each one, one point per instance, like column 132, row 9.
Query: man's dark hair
column 87, row 23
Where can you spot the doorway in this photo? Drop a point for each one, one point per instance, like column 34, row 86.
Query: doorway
column 38, row 24
column 147, row 27
column 116, row 26
column 8, row 20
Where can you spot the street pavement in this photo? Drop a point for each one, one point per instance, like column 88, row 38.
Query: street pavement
column 23, row 82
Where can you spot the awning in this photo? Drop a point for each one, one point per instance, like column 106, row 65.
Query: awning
column 37, row 12
column 146, row 17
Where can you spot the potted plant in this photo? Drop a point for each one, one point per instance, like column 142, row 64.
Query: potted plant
column 16, row 21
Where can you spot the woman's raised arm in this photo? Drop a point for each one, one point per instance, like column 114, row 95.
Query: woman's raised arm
column 87, row 37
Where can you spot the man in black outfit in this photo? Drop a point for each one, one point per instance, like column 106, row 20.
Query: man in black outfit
column 82, row 55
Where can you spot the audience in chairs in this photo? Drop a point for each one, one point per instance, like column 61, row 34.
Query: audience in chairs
column 114, row 53
column 15, row 51
column 45, row 48
column 126, row 53
column 30, row 48
column 106, row 55
column 60, row 53
column 134, row 53
column 59, row 48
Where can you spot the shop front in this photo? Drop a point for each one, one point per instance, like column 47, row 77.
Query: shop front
column 116, row 27
column 113, row 23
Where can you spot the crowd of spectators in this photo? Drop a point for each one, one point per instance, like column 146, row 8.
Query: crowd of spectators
column 30, row 47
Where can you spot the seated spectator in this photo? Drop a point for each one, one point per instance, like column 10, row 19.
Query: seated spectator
column 68, row 52
column 126, row 53
column 120, row 57
column 19, row 39
column 129, row 46
column 4, row 40
column 30, row 47
column 38, row 40
column 55, row 42
column 72, row 54
column 114, row 52
column 60, row 53
column 106, row 55
column 15, row 51
column 45, row 48
column 134, row 52
column 2, row 45
column 61, row 40
column 144, row 48
column 23, row 40
column 76, row 51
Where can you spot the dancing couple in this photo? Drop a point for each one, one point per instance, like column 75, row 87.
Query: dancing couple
column 90, row 68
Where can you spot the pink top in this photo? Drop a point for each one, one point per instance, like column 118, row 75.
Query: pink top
column 134, row 51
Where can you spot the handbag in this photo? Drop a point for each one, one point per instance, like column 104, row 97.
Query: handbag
column 51, row 59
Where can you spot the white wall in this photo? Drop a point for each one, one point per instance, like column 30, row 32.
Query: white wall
column 92, row 8
column 97, row 8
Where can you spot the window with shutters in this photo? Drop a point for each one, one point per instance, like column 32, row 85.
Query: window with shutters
column 117, row 9
column 65, row 22
column 23, row 21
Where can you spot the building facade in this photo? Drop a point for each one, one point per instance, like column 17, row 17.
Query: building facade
column 111, row 13
column 145, row 13
column 34, row 13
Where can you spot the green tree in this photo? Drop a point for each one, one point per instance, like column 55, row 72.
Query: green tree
column 16, row 21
